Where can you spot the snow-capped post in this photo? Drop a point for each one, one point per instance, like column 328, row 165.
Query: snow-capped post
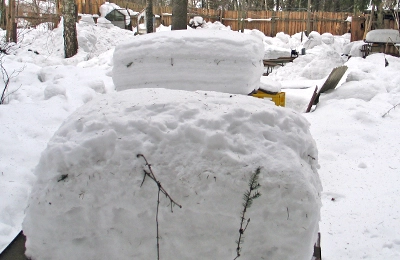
column 70, row 34
column 151, row 175
column 248, row 198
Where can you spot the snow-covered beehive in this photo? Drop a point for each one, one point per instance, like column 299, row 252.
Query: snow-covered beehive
column 383, row 36
column 88, row 202
column 215, row 60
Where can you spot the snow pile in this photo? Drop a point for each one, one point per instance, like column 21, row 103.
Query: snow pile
column 327, row 38
column 312, row 66
column 44, row 96
column 86, row 18
column 215, row 60
column 215, row 26
column 103, row 22
column 360, row 84
column 46, row 47
column 314, row 39
column 88, row 202
column 282, row 45
column 196, row 21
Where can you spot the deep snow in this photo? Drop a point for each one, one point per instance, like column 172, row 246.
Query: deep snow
column 358, row 148
column 203, row 147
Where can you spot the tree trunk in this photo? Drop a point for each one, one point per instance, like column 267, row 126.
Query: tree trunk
column 70, row 34
column 179, row 14
column 149, row 16
column 3, row 20
column 11, row 33
column 379, row 20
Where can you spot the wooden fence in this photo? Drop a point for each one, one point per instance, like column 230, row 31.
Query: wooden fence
column 269, row 22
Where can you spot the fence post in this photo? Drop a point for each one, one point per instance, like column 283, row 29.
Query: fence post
column 308, row 16
column 315, row 22
column 287, row 29
column 273, row 24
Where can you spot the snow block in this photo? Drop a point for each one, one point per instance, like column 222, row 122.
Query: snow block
column 213, row 60
column 89, row 201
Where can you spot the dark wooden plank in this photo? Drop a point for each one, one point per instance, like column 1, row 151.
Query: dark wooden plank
column 16, row 249
column 332, row 80
column 311, row 103
column 330, row 83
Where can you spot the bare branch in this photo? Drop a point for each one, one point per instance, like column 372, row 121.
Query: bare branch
column 151, row 175
column 390, row 110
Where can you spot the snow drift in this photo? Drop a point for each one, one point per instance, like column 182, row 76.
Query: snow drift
column 88, row 202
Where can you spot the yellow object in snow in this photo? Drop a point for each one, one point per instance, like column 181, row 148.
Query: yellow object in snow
column 277, row 98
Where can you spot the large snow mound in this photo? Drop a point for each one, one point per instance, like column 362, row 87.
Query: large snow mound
column 88, row 202
column 213, row 60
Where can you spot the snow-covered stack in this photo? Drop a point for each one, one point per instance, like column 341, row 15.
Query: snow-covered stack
column 213, row 59
column 383, row 36
column 88, row 202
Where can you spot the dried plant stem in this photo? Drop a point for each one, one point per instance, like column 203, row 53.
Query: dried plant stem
column 158, row 235
column 390, row 110
column 151, row 175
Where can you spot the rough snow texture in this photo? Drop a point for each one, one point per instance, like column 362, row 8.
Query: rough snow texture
column 224, row 61
column 88, row 202
column 314, row 39
column 270, row 85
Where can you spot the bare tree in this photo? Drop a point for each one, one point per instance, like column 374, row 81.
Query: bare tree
column 11, row 34
column 179, row 14
column 70, row 34
column 149, row 16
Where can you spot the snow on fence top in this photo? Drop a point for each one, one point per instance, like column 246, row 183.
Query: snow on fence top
column 215, row 60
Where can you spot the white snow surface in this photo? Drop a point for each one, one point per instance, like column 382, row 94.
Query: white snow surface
column 203, row 147
column 355, row 128
column 314, row 39
column 224, row 61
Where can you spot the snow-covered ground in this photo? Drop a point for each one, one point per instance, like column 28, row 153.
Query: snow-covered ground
column 358, row 147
